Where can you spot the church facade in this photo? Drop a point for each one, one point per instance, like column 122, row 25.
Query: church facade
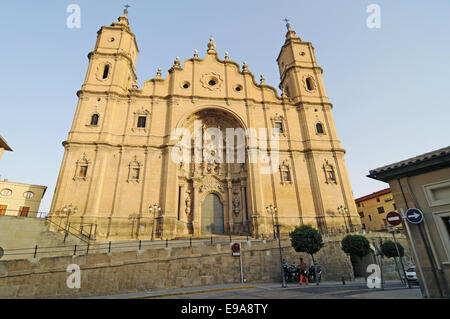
column 121, row 176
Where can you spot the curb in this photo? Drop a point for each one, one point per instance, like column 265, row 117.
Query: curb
column 191, row 292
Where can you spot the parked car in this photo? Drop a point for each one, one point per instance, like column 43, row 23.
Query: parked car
column 411, row 275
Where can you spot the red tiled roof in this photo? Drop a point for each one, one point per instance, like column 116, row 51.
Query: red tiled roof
column 373, row 195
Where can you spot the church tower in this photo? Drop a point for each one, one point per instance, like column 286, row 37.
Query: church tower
column 301, row 81
column 112, row 64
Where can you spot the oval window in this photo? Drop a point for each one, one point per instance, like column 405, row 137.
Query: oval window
column 6, row 192
column 28, row 195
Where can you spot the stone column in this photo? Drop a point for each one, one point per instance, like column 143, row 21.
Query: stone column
column 182, row 210
column 196, row 213
column 230, row 205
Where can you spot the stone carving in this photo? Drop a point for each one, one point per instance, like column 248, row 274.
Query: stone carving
column 188, row 202
column 211, row 184
column 236, row 204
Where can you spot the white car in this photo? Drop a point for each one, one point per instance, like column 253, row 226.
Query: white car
column 411, row 275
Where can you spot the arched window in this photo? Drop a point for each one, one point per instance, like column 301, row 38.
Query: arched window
column 94, row 119
column 319, row 128
column 309, row 84
column 106, row 71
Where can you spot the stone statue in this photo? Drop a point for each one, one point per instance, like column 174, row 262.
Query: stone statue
column 236, row 205
column 188, row 204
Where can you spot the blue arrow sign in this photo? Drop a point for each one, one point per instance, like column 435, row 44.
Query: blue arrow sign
column 414, row 216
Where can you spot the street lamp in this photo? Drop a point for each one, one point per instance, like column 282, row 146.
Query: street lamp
column 155, row 208
column 283, row 285
column 343, row 210
column 69, row 210
column 270, row 209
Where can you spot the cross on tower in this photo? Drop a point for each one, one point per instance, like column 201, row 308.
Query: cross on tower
column 126, row 8
column 288, row 26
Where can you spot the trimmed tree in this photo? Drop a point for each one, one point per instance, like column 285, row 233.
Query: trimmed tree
column 356, row 245
column 388, row 249
column 306, row 239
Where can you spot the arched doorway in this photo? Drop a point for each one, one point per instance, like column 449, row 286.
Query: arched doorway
column 212, row 215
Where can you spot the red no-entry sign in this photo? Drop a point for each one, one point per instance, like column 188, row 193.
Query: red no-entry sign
column 236, row 249
column 394, row 218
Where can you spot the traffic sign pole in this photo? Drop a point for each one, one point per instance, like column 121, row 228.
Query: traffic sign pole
column 401, row 260
column 425, row 286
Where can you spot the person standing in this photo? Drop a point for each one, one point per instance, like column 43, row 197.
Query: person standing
column 303, row 272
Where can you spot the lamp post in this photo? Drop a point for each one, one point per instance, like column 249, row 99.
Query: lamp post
column 343, row 210
column 283, row 285
column 69, row 210
column 271, row 209
column 155, row 208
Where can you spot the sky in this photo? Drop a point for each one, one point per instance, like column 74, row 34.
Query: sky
column 389, row 86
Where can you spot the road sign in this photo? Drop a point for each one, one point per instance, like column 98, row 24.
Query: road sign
column 236, row 249
column 394, row 218
column 414, row 216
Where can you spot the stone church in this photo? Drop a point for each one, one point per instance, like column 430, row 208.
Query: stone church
column 119, row 179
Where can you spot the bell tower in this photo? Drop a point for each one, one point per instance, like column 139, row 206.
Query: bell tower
column 112, row 64
column 302, row 84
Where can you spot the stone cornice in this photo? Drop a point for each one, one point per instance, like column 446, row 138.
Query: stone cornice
column 135, row 93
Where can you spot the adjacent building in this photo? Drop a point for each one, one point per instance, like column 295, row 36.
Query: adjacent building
column 4, row 147
column 373, row 208
column 18, row 199
column 423, row 182
column 119, row 171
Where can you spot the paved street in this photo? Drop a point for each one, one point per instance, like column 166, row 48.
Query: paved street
column 326, row 290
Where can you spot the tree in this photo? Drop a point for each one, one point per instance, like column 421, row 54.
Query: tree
column 356, row 245
column 306, row 239
column 388, row 249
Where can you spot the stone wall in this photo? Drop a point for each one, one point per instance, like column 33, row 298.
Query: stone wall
column 27, row 232
column 163, row 268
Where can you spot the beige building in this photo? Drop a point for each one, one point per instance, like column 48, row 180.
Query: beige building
column 3, row 146
column 373, row 209
column 119, row 171
column 18, row 199
column 423, row 182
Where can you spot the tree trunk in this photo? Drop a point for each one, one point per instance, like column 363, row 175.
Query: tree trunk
column 315, row 270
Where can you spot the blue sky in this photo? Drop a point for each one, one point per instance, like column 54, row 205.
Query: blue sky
column 389, row 86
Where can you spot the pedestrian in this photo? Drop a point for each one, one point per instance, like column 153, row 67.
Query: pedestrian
column 303, row 273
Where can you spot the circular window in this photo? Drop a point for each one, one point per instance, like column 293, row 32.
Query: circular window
column 111, row 39
column 212, row 82
column 28, row 195
column 302, row 53
column 6, row 192
column 238, row 88
column 186, row 85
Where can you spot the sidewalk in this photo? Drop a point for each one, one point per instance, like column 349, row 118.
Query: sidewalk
column 327, row 289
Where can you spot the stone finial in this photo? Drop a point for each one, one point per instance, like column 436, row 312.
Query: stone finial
column 262, row 81
column 245, row 67
column 211, row 46
column 177, row 63
column 195, row 54
column 227, row 56
column 158, row 74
